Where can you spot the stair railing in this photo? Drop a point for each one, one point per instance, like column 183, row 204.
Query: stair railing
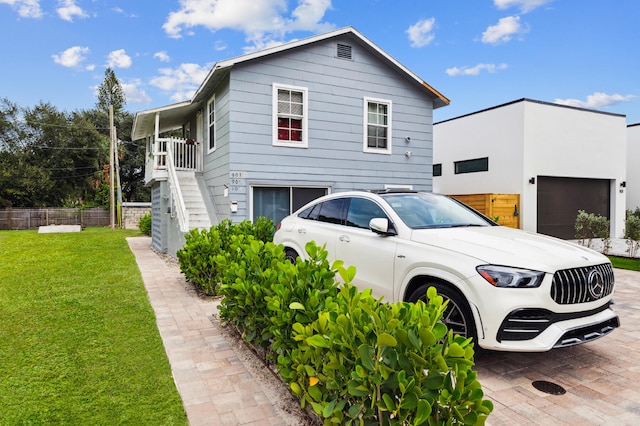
column 179, row 205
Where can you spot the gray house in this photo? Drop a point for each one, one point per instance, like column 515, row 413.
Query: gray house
column 269, row 131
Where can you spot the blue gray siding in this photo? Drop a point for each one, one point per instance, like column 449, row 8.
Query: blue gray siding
column 334, row 157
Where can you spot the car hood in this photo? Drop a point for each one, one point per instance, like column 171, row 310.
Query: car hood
column 501, row 245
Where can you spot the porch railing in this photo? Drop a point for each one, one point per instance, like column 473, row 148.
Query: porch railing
column 186, row 154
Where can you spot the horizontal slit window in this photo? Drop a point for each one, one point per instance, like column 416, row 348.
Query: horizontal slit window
column 471, row 166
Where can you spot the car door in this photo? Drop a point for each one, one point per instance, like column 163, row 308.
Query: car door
column 372, row 254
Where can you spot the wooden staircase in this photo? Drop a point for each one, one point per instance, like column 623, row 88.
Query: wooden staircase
column 193, row 199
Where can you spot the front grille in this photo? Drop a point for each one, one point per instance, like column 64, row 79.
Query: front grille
column 581, row 285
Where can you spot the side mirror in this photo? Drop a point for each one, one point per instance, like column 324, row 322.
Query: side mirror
column 380, row 225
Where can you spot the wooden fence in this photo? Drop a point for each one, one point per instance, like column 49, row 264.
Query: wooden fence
column 16, row 219
column 503, row 207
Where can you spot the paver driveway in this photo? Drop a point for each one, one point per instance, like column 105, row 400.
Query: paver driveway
column 601, row 378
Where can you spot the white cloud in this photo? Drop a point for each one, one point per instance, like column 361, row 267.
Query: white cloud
column 182, row 81
column 263, row 22
column 524, row 5
column 68, row 9
column 119, row 59
column 598, row 100
column 490, row 68
column 72, row 57
column 25, row 8
column 122, row 12
column 421, row 33
column 134, row 93
column 163, row 56
column 503, row 30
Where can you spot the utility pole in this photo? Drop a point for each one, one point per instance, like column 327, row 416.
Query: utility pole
column 118, row 184
column 111, row 169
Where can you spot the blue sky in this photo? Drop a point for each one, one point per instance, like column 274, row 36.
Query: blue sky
column 478, row 53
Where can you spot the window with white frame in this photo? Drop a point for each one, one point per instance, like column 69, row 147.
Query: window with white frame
column 377, row 126
column 290, row 116
column 211, row 122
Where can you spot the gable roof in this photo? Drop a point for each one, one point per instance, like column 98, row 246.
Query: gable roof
column 176, row 113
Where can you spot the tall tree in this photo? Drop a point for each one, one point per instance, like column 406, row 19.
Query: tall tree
column 48, row 157
column 110, row 92
column 130, row 155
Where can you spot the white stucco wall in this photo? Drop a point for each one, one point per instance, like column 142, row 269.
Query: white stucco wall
column 570, row 142
column 496, row 134
column 633, row 167
column 526, row 139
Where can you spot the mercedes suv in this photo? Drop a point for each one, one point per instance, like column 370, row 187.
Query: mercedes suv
column 508, row 289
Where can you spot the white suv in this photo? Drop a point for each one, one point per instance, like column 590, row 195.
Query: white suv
column 510, row 290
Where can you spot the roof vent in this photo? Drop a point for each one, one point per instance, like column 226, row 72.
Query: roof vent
column 344, row 51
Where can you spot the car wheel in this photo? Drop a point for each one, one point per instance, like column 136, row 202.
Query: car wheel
column 457, row 316
column 291, row 255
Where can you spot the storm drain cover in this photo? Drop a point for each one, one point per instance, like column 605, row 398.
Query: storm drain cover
column 548, row 387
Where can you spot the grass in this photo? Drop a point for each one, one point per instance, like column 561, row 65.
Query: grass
column 625, row 263
column 78, row 338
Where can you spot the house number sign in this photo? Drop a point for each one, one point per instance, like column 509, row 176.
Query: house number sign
column 237, row 183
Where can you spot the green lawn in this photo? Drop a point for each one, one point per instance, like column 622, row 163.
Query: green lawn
column 78, row 338
column 625, row 263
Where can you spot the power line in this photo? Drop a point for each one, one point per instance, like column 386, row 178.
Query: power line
column 75, row 168
column 65, row 148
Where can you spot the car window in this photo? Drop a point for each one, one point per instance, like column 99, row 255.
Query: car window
column 332, row 211
column 310, row 212
column 361, row 211
column 423, row 210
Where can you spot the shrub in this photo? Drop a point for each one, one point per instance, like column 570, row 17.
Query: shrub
column 197, row 258
column 632, row 232
column 589, row 226
column 351, row 358
column 145, row 224
column 385, row 363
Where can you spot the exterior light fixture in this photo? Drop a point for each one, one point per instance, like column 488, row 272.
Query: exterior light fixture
column 532, row 181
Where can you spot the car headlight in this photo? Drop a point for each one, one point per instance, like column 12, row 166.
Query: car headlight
column 505, row 276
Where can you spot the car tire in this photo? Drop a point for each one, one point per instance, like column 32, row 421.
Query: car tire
column 291, row 255
column 457, row 316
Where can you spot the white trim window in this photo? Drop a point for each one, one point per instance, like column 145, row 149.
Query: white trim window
column 290, row 116
column 211, row 123
column 377, row 126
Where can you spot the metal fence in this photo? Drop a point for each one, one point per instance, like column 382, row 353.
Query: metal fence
column 16, row 219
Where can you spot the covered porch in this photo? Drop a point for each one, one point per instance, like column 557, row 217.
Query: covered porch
column 167, row 154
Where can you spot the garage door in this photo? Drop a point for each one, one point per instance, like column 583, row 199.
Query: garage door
column 559, row 200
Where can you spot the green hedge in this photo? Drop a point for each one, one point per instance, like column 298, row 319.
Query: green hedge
column 197, row 256
column 349, row 357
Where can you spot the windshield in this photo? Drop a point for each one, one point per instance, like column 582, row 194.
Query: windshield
column 423, row 210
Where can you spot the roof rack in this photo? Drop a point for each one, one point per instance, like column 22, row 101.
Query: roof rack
column 392, row 190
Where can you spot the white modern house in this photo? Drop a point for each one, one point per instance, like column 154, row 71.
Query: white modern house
column 558, row 159
column 632, row 184
column 271, row 130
